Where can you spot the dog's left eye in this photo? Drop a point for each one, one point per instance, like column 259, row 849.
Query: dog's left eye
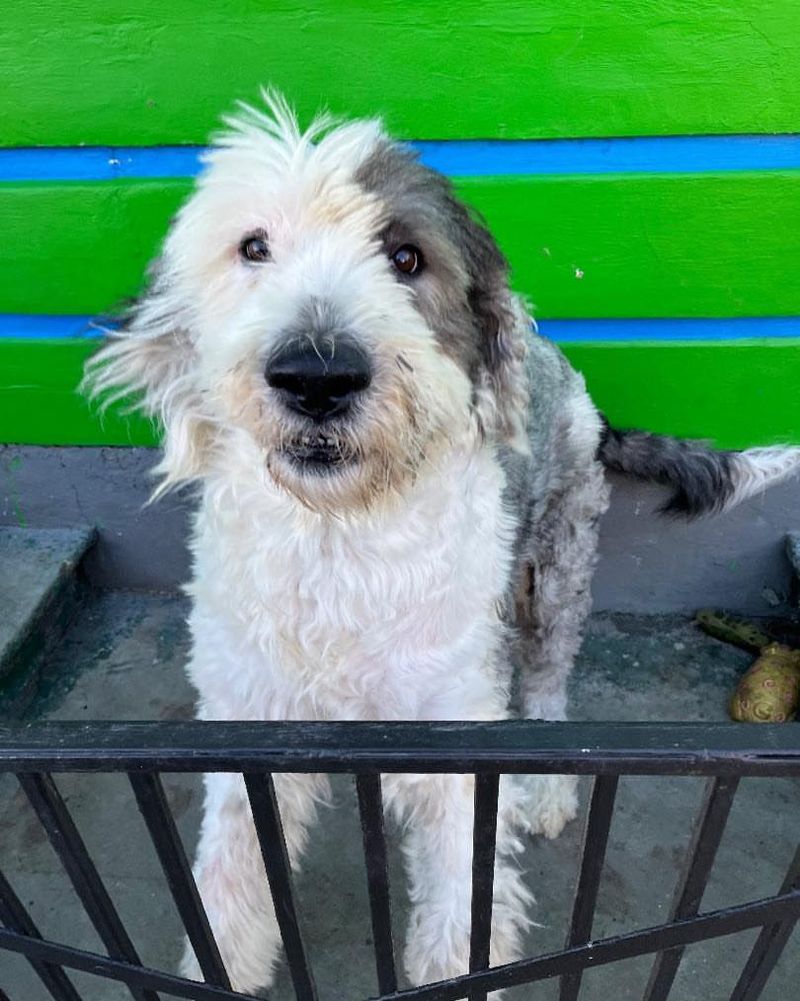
column 254, row 248
column 407, row 259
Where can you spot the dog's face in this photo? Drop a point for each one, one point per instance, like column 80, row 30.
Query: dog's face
column 324, row 304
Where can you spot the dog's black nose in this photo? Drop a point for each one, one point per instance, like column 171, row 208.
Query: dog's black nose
column 319, row 379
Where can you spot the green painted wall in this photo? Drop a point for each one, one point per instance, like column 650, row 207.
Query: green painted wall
column 94, row 72
column 155, row 71
column 649, row 245
column 734, row 394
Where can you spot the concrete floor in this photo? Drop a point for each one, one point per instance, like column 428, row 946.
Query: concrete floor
column 123, row 660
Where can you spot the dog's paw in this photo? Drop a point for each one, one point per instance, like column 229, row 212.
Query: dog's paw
column 553, row 803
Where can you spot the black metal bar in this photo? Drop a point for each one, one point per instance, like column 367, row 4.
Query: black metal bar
column 267, row 819
column 140, row 978
column 15, row 917
column 725, row 751
column 68, row 844
column 595, row 842
column 768, row 946
column 508, row 746
column 715, row 924
column 370, row 807
column 152, row 802
column 484, row 843
column 707, row 835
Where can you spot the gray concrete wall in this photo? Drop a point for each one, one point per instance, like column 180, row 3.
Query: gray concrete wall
column 647, row 563
column 140, row 546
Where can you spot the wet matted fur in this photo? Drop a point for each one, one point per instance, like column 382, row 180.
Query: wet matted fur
column 392, row 557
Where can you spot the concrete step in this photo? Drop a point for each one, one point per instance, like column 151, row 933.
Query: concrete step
column 41, row 591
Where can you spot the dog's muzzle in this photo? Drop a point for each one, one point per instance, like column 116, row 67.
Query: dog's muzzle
column 319, row 379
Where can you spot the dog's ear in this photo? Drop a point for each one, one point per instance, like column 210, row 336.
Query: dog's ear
column 149, row 363
column 505, row 328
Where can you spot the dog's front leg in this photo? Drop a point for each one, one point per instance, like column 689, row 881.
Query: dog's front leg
column 231, row 878
column 438, row 815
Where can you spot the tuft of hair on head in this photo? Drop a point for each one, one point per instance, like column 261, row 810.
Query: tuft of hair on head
column 278, row 123
column 277, row 119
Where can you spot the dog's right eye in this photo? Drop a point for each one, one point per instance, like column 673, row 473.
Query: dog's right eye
column 254, row 248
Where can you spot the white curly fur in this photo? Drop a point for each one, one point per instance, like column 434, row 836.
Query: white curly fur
column 397, row 587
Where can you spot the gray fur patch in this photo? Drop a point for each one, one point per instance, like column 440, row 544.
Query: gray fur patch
column 463, row 288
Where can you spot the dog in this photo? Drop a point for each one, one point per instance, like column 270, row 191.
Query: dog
column 400, row 486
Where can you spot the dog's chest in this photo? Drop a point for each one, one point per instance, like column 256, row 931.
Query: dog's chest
column 371, row 616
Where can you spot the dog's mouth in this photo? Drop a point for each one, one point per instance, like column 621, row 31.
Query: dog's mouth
column 317, row 453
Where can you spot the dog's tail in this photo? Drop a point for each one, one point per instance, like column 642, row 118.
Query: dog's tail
column 704, row 481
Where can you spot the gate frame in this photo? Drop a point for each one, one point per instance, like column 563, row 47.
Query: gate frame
column 723, row 753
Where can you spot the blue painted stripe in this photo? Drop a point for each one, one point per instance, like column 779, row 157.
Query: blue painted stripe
column 667, row 154
column 98, row 163
column 715, row 329
column 562, row 331
column 467, row 158
column 39, row 327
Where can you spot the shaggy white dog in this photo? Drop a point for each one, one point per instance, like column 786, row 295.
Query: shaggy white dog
column 400, row 487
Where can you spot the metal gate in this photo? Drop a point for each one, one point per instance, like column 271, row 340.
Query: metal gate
column 723, row 753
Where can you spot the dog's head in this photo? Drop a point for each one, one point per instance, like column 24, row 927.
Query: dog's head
column 326, row 309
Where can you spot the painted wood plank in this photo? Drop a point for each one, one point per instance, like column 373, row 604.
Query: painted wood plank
column 611, row 245
column 161, row 71
column 457, row 157
column 648, row 245
column 81, row 247
column 608, row 330
column 40, row 404
column 736, row 395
